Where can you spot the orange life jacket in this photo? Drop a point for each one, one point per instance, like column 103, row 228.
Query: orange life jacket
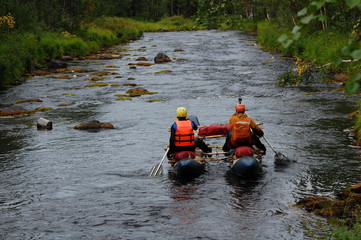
column 184, row 135
column 241, row 132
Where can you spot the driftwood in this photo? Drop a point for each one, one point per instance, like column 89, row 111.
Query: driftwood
column 44, row 124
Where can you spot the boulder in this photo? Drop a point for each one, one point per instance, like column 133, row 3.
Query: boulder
column 94, row 124
column 54, row 64
column 162, row 58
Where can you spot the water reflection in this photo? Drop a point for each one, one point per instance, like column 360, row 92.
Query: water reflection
column 241, row 194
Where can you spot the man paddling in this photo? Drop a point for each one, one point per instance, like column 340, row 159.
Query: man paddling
column 244, row 131
column 182, row 136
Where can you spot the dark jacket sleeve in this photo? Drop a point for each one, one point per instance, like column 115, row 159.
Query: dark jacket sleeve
column 194, row 126
column 172, row 132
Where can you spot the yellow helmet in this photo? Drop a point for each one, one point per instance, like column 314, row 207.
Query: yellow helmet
column 181, row 112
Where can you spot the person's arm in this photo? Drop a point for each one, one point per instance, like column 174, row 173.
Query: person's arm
column 194, row 126
column 172, row 133
column 256, row 129
column 232, row 121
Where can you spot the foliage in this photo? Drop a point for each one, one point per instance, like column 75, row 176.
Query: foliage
column 7, row 21
column 21, row 52
column 268, row 33
column 176, row 23
column 345, row 232
column 315, row 11
column 323, row 46
column 121, row 28
column 101, row 36
column 288, row 78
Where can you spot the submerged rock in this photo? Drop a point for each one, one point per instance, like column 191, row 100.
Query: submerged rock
column 139, row 91
column 14, row 110
column 94, row 124
column 29, row 100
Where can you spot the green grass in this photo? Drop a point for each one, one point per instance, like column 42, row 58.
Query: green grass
column 343, row 232
column 267, row 34
column 22, row 52
column 323, row 46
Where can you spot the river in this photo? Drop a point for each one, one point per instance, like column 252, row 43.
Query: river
column 71, row 184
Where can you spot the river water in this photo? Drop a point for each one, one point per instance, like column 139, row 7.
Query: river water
column 71, row 184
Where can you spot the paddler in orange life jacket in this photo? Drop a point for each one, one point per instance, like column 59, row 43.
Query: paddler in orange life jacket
column 182, row 136
column 244, row 131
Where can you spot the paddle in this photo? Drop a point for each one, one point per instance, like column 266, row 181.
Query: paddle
column 157, row 170
column 279, row 157
column 194, row 119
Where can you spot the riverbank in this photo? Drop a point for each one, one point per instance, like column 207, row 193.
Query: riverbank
column 22, row 52
column 317, row 54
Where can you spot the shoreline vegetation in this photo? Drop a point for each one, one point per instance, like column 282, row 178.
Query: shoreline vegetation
column 22, row 52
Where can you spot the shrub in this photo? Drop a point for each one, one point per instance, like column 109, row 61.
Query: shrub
column 75, row 47
column 101, row 36
column 12, row 63
column 122, row 28
column 268, row 33
column 51, row 45
column 323, row 46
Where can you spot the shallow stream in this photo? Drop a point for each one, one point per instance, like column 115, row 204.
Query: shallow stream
column 71, row 184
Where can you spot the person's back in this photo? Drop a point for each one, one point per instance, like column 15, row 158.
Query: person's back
column 241, row 129
column 244, row 131
column 182, row 133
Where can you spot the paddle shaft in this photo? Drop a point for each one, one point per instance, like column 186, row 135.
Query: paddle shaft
column 160, row 164
column 269, row 145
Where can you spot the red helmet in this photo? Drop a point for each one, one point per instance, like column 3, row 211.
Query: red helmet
column 240, row 108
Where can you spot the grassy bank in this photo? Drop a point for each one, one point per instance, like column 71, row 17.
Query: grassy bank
column 22, row 52
column 319, row 49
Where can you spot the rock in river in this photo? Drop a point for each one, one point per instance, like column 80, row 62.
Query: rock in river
column 94, row 124
column 162, row 58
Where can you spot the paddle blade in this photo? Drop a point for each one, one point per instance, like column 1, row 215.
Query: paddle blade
column 156, row 170
column 281, row 159
column 194, row 119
